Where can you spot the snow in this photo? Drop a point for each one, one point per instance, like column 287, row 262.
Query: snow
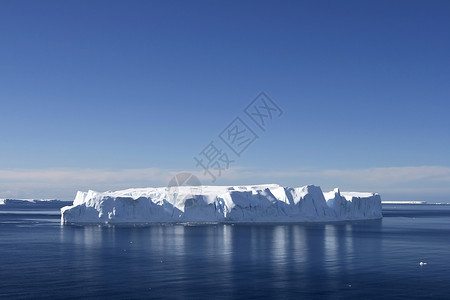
column 223, row 204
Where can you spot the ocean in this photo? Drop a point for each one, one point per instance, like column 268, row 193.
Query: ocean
column 378, row 259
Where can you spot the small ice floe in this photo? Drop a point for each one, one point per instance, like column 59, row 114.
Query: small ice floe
column 422, row 264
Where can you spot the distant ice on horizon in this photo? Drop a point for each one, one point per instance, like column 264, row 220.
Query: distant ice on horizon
column 33, row 203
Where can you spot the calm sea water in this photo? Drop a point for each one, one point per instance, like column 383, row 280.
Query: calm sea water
column 39, row 258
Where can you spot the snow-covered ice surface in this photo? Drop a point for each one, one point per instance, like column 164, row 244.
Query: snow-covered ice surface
column 223, row 204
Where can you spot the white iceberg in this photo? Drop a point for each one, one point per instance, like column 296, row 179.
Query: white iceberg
column 223, row 204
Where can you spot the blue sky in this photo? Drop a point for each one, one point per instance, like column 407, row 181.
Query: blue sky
column 115, row 94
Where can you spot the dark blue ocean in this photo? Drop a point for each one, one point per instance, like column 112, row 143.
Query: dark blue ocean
column 40, row 259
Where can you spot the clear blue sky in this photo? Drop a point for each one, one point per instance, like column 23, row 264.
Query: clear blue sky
column 110, row 86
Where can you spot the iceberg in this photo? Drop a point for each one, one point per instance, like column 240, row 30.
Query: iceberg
column 220, row 204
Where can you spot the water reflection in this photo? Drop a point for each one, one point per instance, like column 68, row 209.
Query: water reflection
column 349, row 260
column 264, row 260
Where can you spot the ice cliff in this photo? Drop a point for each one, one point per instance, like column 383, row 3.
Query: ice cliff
column 260, row 203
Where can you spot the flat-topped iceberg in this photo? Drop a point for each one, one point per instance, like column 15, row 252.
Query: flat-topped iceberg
column 223, row 204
